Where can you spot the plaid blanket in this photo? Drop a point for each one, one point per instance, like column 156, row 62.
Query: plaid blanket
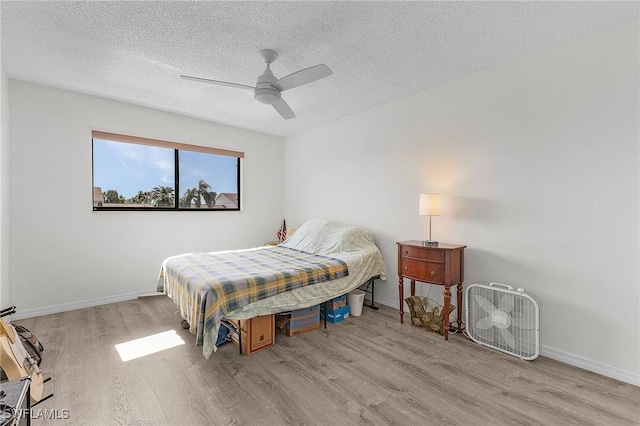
column 206, row 286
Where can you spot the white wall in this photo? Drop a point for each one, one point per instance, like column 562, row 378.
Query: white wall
column 538, row 161
column 5, row 296
column 64, row 255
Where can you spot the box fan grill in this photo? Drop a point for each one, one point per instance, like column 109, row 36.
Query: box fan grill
column 502, row 318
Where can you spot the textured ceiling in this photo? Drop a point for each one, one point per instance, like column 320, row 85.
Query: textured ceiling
column 134, row 51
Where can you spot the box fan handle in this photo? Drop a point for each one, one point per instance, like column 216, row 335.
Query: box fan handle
column 500, row 284
column 519, row 290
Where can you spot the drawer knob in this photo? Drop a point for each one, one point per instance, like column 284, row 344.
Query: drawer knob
column 406, row 252
column 406, row 268
column 433, row 273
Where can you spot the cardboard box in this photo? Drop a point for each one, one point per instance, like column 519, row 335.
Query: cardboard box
column 300, row 321
column 337, row 315
column 257, row 333
column 336, row 303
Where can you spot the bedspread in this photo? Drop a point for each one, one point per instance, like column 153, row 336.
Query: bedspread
column 206, row 286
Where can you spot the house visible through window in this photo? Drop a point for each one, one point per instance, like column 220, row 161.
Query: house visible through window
column 131, row 173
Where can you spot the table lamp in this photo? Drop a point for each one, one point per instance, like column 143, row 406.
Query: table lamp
column 430, row 205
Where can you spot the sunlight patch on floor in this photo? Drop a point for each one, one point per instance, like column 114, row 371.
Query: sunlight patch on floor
column 144, row 346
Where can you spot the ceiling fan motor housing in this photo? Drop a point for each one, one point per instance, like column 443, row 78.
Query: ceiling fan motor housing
column 266, row 94
column 267, row 91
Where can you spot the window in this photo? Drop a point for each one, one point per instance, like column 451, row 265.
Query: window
column 131, row 173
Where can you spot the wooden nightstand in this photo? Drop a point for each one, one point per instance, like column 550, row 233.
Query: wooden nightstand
column 442, row 265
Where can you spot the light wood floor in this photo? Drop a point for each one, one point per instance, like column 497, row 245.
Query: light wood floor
column 365, row 370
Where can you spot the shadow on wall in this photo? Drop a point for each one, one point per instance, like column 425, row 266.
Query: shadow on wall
column 484, row 266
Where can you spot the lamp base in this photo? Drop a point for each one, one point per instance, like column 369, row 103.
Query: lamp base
column 428, row 243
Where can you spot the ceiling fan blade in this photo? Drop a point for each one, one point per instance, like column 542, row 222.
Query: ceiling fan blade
column 307, row 75
column 284, row 109
column 219, row 83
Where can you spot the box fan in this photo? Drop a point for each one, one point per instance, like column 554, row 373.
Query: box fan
column 504, row 319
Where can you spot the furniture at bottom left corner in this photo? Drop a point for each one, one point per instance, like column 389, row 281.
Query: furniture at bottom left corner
column 15, row 403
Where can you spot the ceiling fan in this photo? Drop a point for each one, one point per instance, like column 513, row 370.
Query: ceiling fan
column 268, row 88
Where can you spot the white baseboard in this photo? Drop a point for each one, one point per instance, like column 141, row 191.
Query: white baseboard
column 595, row 367
column 574, row 360
column 30, row 313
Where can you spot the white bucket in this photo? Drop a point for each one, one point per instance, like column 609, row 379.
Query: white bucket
column 355, row 299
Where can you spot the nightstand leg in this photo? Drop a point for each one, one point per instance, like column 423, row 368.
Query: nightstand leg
column 401, row 296
column 413, row 287
column 459, row 308
column 447, row 303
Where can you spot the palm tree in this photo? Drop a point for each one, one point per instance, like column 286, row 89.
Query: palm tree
column 141, row 198
column 196, row 198
column 212, row 199
column 188, row 196
column 203, row 191
column 162, row 196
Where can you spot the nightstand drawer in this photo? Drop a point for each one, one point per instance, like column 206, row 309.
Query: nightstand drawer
column 423, row 271
column 419, row 253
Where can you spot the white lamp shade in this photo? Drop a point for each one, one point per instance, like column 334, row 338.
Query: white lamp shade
column 430, row 204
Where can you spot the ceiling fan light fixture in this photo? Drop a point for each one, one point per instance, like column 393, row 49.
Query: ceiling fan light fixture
column 266, row 95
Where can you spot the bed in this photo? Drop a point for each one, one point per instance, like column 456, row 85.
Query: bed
column 320, row 261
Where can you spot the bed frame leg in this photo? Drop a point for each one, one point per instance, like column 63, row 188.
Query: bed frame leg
column 371, row 283
column 323, row 314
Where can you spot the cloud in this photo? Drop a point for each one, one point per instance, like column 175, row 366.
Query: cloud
column 137, row 156
column 164, row 165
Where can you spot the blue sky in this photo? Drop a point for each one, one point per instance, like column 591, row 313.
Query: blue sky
column 129, row 168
